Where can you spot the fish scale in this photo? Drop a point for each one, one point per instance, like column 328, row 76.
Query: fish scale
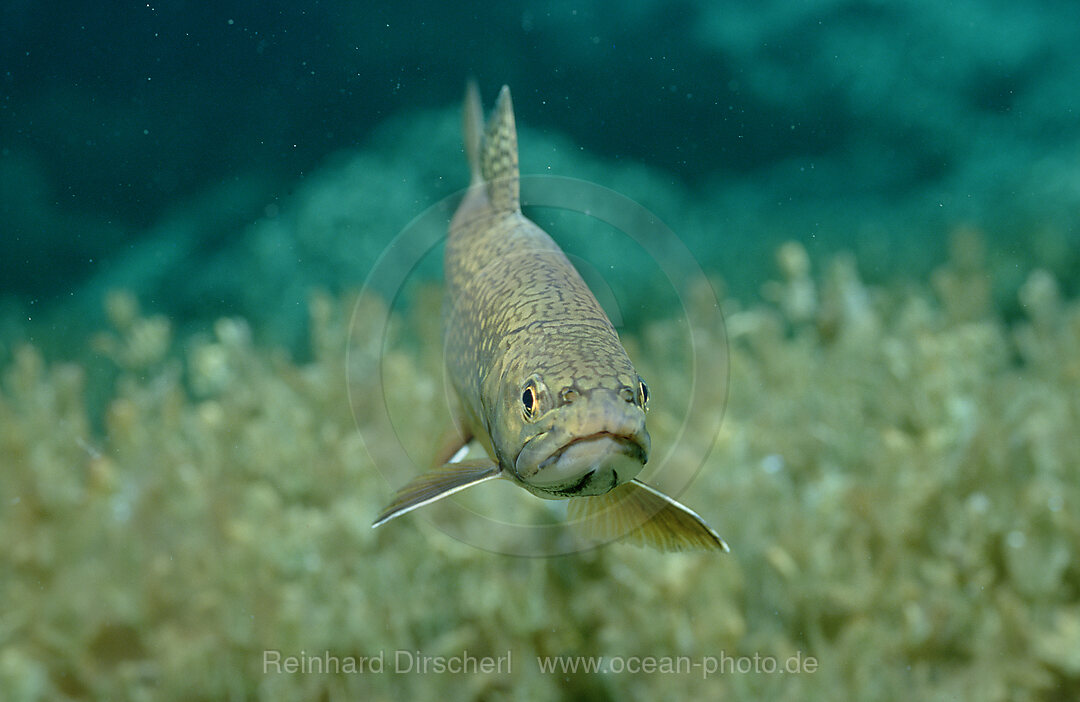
column 541, row 379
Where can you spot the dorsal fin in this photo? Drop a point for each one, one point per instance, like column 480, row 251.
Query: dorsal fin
column 499, row 156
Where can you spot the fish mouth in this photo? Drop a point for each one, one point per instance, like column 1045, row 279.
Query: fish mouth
column 633, row 446
column 589, row 465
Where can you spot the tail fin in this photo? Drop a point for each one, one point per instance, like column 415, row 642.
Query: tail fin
column 493, row 155
column 473, row 128
column 499, row 156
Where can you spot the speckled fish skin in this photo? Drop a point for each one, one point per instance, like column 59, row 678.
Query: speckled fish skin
column 541, row 379
column 517, row 311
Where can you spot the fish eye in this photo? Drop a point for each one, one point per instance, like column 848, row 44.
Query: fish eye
column 643, row 393
column 528, row 401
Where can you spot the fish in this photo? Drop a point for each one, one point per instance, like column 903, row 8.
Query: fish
column 540, row 377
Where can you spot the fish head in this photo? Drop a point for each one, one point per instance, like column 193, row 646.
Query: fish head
column 575, row 438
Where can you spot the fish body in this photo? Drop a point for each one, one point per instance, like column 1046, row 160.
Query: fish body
column 541, row 379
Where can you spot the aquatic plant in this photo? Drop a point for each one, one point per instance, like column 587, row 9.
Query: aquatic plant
column 895, row 474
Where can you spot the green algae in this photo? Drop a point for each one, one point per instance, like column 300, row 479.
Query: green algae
column 896, row 474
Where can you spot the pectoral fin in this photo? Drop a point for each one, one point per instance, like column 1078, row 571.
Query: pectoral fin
column 644, row 516
column 436, row 484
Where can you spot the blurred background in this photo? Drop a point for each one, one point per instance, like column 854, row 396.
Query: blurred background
column 884, row 195
column 155, row 145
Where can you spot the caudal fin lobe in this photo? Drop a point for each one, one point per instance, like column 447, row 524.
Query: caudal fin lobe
column 473, row 129
column 499, row 155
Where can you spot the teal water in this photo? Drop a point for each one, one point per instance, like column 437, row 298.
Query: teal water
column 883, row 198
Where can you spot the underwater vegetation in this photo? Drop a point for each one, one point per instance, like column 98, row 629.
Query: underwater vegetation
column 896, row 475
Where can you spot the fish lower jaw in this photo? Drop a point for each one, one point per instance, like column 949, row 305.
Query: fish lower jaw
column 590, row 465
